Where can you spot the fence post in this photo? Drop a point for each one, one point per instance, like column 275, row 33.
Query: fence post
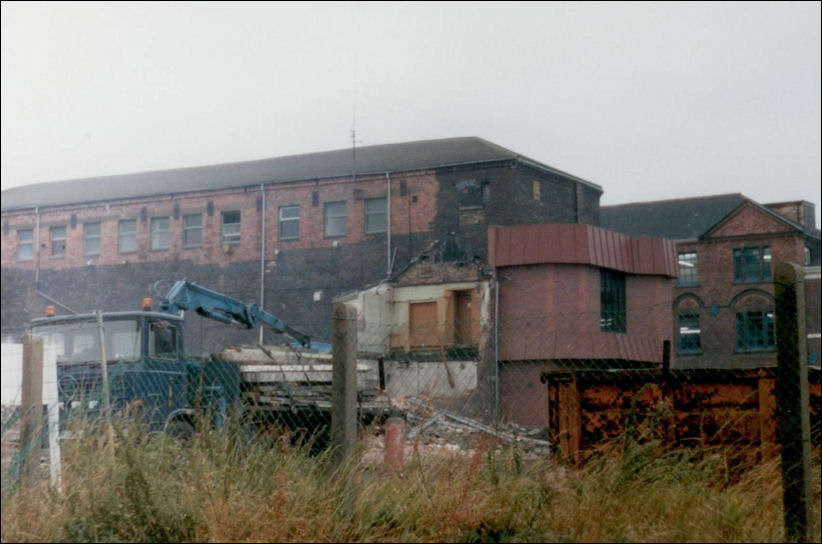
column 31, row 404
column 343, row 382
column 792, row 401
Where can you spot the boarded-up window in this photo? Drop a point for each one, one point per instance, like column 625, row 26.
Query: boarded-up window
column 422, row 325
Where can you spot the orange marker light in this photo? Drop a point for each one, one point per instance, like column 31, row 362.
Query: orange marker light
column 49, row 311
column 147, row 304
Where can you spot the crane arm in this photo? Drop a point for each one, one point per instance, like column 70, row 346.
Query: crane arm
column 187, row 295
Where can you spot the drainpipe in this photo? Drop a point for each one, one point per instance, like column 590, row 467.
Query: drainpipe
column 496, row 347
column 388, row 223
column 262, row 259
column 37, row 264
column 37, row 248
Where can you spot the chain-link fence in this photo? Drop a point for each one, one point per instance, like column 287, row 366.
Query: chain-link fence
column 561, row 386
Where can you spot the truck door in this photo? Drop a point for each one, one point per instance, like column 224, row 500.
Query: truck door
column 165, row 382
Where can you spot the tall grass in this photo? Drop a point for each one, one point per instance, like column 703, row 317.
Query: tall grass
column 222, row 487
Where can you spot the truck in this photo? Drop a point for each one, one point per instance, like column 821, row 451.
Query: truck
column 142, row 357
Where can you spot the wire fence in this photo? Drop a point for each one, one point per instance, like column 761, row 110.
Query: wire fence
column 560, row 386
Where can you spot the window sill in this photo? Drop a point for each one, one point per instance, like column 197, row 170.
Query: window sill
column 744, row 282
column 695, row 284
column 57, row 256
column 296, row 239
column 690, row 353
column 748, row 351
column 193, row 247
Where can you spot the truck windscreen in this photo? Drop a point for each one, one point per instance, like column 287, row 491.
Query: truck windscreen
column 79, row 342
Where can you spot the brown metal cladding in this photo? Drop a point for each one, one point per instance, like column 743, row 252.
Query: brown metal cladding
column 570, row 243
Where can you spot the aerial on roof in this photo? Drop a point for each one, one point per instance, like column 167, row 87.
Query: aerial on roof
column 680, row 219
column 375, row 159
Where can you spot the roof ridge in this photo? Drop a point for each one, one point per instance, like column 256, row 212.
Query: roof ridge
column 742, row 196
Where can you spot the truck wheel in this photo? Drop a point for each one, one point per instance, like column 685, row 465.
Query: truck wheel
column 180, row 429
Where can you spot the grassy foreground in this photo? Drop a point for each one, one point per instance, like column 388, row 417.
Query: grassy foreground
column 222, row 489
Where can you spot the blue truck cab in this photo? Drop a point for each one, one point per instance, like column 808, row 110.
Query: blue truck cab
column 149, row 375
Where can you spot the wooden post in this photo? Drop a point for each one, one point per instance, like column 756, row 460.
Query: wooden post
column 792, row 402
column 343, row 382
column 31, row 403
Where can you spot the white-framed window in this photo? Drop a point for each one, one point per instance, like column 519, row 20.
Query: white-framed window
column 91, row 239
column 231, row 227
column 25, row 244
column 375, row 215
column 58, row 241
column 127, row 236
column 159, row 233
column 193, row 230
column 334, row 215
column 289, row 227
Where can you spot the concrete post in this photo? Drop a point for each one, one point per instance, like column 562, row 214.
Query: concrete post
column 344, row 382
column 792, row 402
column 31, row 404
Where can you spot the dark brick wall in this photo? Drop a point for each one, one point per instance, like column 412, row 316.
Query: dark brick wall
column 303, row 275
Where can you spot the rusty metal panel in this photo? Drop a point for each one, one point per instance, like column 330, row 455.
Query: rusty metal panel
column 712, row 408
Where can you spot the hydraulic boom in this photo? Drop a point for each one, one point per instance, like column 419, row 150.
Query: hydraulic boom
column 187, row 295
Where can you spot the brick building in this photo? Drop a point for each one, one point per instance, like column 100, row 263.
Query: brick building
column 723, row 300
column 289, row 233
column 553, row 296
column 575, row 297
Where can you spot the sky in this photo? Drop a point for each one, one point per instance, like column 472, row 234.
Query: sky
column 651, row 101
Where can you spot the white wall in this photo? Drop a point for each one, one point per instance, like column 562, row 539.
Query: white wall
column 11, row 369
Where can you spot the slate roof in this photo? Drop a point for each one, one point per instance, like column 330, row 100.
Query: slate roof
column 376, row 159
column 681, row 219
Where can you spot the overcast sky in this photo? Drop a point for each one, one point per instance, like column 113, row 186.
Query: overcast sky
column 651, row 101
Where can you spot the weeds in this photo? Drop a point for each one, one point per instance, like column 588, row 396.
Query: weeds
column 221, row 487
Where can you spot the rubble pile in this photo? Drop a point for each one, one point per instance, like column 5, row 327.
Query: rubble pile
column 433, row 432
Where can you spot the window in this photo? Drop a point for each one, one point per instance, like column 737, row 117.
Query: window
column 375, row 215
column 754, row 330
column 752, row 264
column 127, row 236
column 612, row 300
column 689, row 333
column 159, row 233
column 231, row 227
column 25, row 244
column 334, row 213
column 193, row 230
column 289, row 223
column 58, row 241
column 91, row 239
column 162, row 340
column 688, row 268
